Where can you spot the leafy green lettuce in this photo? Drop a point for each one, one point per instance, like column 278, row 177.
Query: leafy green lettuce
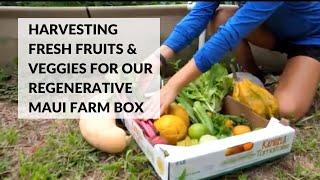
column 203, row 98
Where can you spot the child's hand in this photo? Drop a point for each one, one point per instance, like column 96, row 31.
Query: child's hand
column 167, row 95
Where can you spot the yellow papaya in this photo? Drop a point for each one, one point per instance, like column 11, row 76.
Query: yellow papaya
column 260, row 100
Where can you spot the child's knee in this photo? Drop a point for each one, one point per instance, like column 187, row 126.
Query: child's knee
column 290, row 107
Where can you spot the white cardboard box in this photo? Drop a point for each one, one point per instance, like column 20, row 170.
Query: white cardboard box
column 209, row 159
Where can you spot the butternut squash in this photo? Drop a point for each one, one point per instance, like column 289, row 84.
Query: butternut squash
column 100, row 130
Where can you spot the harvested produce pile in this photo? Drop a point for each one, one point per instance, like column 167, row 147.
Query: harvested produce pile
column 196, row 115
column 203, row 100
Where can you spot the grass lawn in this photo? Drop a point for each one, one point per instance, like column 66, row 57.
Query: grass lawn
column 54, row 149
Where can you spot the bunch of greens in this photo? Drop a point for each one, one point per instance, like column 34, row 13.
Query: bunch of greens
column 203, row 99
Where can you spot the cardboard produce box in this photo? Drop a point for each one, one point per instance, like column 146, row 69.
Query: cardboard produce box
column 222, row 156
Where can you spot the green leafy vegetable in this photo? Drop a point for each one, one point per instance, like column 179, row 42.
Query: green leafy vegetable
column 203, row 116
column 203, row 99
column 210, row 88
column 220, row 128
column 237, row 119
column 183, row 101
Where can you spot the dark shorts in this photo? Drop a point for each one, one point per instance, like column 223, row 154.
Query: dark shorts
column 293, row 50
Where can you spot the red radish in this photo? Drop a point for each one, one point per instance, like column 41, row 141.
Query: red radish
column 150, row 132
column 138, row 122
column 147, row 129
column 151, row 124
column 158, row 140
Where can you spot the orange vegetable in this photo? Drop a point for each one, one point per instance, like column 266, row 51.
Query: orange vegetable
column 240, row 129
column 234, row 150
column 178, row 110
column 171, row 127
column 228, row 123
column 247, row 146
